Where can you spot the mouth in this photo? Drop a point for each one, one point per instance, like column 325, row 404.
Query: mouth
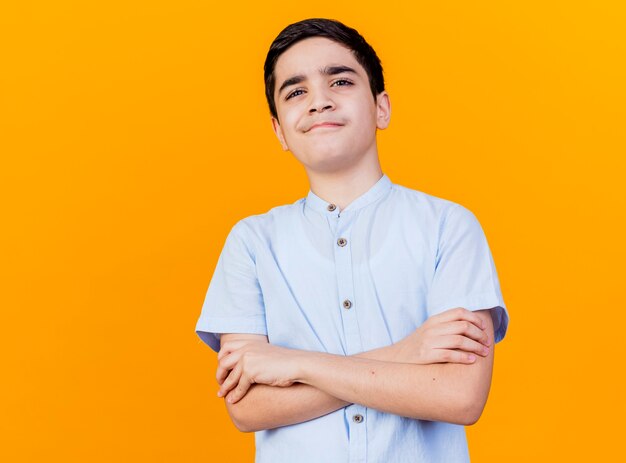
column 325, row 125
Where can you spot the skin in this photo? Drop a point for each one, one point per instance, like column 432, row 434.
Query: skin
column 451, row 337
column 341, row 161
column 328, row 119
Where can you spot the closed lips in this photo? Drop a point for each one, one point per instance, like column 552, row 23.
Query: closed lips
column 325, row 124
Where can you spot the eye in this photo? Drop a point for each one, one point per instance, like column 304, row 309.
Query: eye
column 296, row 92
column 342, row 82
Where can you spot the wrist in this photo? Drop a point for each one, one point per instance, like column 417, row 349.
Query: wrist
column 307, row 364
column 301, row 360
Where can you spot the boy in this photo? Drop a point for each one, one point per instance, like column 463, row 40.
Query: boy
column 357, row 324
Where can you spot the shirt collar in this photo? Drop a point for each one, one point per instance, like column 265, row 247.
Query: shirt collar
column 376, row 191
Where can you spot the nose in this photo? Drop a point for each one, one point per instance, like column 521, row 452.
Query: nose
column 320, row 109
column 321, row 102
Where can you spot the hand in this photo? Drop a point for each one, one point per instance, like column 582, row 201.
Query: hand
column 453, row 336
column 243, row 363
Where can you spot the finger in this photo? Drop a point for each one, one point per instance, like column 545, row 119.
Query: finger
column 230, row 347
column 221, row 374
column 459, row 313
column 240, row 390
column 231, row 360
column 230, row 382
column 464, row 328
column 462, row 343
column 452, row 356
column 225, row 365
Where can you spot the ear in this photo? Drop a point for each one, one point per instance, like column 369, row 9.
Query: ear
column 383, row 110
column 279, row 133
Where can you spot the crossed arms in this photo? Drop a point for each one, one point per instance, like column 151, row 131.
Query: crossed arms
column 440, row 372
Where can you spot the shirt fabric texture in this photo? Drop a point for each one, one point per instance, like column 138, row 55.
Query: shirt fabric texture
column 313, row 277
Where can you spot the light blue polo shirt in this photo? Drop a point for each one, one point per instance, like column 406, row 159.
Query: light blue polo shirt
column 311, row 276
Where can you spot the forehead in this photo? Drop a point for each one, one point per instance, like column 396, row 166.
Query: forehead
column 310, row 55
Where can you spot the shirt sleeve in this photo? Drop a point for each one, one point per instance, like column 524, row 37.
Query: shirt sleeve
column 234, row 301
column 465, row 274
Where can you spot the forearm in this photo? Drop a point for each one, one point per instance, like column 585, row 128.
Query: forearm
column 431, row 374
column 439, row 392
column 384, row 354
column 268, row 407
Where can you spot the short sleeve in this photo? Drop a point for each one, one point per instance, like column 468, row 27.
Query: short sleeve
column 234, row 301
column 465, row 274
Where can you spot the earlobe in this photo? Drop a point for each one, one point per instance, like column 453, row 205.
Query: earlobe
column 383, row 110
column 279, row 134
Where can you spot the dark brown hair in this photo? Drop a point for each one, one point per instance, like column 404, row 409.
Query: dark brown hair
column 333, row 30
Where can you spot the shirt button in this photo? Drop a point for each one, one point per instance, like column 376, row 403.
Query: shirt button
column 331, row 207
column 347, row 304
column 358, row 418
column 342, row 242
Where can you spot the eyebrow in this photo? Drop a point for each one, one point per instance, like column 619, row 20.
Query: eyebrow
column 328, row 71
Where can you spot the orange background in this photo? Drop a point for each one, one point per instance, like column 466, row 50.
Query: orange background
column 134, row 135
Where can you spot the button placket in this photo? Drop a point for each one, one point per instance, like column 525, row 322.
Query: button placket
column 348, row 309
column 343, row 262
column 358, row 433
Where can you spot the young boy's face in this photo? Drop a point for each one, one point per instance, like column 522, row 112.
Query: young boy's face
column 327, row 116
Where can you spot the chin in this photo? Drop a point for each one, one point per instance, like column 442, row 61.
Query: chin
column 331, row 163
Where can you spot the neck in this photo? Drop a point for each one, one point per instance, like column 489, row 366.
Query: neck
column 342, row 187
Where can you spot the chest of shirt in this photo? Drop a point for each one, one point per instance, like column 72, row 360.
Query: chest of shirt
column 345, row 284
